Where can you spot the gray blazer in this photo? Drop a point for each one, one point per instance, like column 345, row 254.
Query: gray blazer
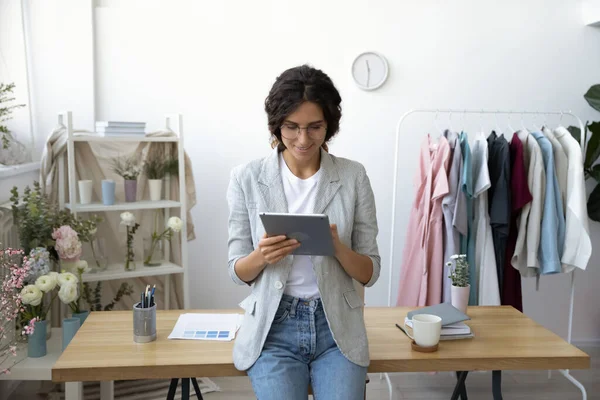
column 344, row 193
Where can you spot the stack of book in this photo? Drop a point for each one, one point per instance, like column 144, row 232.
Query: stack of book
column 453, row 326
column 120, row 128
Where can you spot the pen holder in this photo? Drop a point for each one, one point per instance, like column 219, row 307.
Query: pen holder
column 144, row 324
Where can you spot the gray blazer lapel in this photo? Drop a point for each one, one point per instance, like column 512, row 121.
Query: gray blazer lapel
column 329, row 183
column 271, row 186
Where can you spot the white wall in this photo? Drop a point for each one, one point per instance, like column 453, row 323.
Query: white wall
column 215, row 62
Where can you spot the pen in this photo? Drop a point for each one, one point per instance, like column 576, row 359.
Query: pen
column 399, row 327
column 152, row 296
column 142, row 301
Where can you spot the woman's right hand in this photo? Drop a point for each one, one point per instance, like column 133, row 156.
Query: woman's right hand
column 273, row 249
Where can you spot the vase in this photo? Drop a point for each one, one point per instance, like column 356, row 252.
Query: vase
column 130, row 190
column 36, row 342
column 85, row 191
column 129, row 264
column 460, row 297
column 81, row 316
column 155, row 186
column 98, row 247
column 153, row 252
column 69, row 329
column 108, row 192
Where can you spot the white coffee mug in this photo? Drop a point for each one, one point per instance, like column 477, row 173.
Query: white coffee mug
column 426, row 329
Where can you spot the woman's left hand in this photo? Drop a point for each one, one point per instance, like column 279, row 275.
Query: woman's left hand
column 337, row 244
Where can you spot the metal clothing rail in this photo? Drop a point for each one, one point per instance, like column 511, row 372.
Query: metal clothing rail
column 566, row 372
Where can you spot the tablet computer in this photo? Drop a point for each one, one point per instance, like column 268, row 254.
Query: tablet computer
column 311, row 230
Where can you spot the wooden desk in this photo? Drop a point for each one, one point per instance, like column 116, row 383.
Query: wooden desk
column 103, row 349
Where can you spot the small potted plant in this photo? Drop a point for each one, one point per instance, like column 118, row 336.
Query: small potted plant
column 155, row 169
column 459, row 292
column 129, row 170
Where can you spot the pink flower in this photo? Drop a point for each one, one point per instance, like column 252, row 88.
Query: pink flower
column 68, row 245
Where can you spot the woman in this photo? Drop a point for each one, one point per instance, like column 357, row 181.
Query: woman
column 304, row 319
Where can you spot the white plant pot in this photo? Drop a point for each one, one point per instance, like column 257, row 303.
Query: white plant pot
column 460, row 297
column 155, row 189
column 85, row 191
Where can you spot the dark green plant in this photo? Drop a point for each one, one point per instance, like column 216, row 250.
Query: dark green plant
column 591, row 139
column 36, row 217
column 6, row 110
column 157, row 167
column 460, row 273
column 95, row 300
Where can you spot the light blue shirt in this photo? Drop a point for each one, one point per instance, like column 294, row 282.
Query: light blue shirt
column 553, row 218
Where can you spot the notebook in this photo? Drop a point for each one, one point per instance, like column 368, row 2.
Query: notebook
column 459, row 328
column 446, row 311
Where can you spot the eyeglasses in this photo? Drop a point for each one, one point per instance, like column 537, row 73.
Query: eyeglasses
column 292, row 131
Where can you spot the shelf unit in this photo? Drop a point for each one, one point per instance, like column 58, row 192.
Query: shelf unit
column 116, row 271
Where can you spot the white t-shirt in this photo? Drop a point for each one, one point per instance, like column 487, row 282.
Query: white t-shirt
column 485, row 258
column 300, row 195
column 577, row 249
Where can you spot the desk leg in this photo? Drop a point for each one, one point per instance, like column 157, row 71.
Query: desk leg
column 185, row 388
column 197, row 389
column 172, row 389
column 497, row 385
column 460, row 389
column 107, row 390
column 74, row 391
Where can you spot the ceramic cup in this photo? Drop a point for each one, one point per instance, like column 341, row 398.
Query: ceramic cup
column 426, row 329
column 85, row 191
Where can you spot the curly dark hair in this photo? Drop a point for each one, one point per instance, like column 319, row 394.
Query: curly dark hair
column 297, row 85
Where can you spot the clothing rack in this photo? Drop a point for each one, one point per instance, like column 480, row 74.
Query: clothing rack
column 566, row 372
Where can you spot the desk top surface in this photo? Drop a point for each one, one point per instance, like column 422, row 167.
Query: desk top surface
column 505, row 339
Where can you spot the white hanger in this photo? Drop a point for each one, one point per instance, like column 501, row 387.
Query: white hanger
column 500, row 133
column 509, row 125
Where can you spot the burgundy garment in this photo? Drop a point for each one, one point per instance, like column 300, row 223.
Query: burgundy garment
column 520, row 196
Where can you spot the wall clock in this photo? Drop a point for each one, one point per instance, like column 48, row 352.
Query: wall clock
column 370, row 70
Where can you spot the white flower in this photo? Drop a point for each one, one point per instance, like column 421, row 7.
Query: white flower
column 46, row 283
column 31, row 295
column 66, row 278
column 54, row 275
column 127, row 218
column 82, row 267
column 68, row 293
column 175, row 224
column 93, row 231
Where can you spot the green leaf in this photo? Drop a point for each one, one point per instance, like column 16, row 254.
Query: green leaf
column 592, row 96
column 595, row 173
column 593, row 148
column 593, row 204
column 575, row 132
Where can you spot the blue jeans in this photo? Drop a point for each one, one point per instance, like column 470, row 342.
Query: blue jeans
column 299, row 350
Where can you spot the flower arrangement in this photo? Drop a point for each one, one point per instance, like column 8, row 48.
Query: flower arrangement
column 174, row 225
column 67, row 245
column 36, row 218
column 127, row 168
column 14, row 269
column 86, row 231
column 71, row 287
column 32, row 297
column 128, row 219
column 460, row 273
column 39, row 264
